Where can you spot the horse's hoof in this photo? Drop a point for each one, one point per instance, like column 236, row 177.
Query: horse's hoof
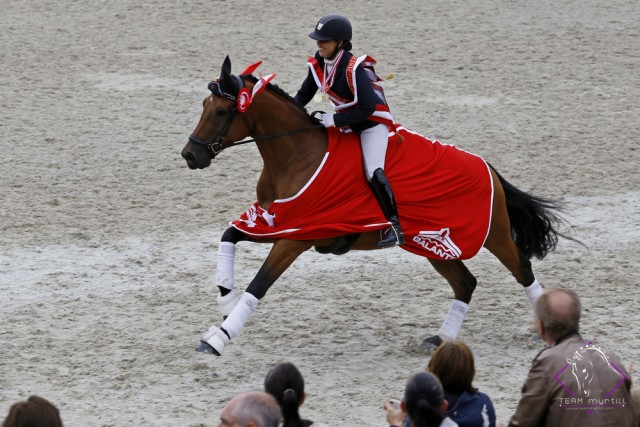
column 204, row 347
column 429, row 345
column 215, row 338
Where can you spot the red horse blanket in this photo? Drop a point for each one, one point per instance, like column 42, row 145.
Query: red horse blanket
column 444, row 197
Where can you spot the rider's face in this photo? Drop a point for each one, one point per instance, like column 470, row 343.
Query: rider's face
column 326, row 48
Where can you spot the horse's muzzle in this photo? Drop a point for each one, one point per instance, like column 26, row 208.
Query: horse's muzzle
column 195, row 161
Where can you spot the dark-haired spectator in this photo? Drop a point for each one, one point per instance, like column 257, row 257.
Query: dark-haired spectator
column 424, row 404
column 285, row 383
column 571, row 382
column 34, row 412
column 251, row 409
column 454, row 366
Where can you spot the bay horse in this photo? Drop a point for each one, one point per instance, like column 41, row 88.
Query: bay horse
column 294, row 147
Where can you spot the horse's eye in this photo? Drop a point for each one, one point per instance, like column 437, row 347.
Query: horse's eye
column 221, row 113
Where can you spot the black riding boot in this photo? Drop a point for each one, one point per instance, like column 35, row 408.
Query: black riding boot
column 382, row 190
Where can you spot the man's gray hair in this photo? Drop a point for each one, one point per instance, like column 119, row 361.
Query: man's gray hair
column 559, row 312
column 259, row 407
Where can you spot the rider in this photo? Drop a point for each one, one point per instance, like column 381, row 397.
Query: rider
column 349, row 83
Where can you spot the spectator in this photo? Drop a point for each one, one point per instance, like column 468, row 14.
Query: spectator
column 635, row 402
column 35, row 412
column 424, row 404
column 284, row 382
column 454, row 366
column 571, row 382
column 251, row 409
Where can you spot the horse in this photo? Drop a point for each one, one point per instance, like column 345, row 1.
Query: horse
column 293, row 145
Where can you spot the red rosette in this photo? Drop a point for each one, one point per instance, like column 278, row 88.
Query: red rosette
column 244, row 99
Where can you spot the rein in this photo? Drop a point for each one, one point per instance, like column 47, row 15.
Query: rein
column 217, row 145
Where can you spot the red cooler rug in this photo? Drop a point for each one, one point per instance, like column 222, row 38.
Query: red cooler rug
column 443, row 195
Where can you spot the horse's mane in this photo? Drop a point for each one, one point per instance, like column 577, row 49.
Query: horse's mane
column 280, row 92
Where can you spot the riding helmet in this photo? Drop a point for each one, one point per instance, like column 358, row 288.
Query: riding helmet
column 332, row 27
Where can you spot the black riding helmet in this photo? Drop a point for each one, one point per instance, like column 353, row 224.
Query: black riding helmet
column 332, row 27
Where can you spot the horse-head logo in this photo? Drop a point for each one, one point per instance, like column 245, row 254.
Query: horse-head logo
column 588, row 363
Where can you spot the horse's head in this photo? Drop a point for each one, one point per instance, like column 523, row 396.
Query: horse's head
column 588, row 363
column 220, row 124
column 583, row 371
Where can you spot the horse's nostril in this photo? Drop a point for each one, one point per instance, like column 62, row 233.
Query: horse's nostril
column 187, row 155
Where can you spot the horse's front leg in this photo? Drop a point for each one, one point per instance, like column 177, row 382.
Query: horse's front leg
column 282, row 255
column 225, row 280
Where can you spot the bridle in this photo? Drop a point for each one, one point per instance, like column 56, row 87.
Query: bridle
column 216, row 146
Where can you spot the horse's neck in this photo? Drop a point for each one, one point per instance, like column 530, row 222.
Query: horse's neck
column 291, row 160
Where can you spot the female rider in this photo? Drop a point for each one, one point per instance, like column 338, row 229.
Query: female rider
column 350, row 84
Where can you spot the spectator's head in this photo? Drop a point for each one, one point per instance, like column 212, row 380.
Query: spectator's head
column 285, row 383
column 35, row 412
column 251, row 409
column 557, row 314
column 454, row 366
column 424, row 400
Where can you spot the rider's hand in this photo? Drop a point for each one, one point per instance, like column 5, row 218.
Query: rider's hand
column 327, row 120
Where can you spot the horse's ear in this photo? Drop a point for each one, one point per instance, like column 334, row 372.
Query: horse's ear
column 228, row 85
column 226, row 68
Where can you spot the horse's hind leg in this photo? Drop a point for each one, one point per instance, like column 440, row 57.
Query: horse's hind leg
column 500, row 243
column 463, row 284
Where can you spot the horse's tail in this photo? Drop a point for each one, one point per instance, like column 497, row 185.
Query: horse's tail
column 534, row 220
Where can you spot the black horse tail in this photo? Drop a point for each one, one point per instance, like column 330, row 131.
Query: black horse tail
column 534, row 220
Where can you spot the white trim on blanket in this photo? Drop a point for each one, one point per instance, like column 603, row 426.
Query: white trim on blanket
column 302, row 190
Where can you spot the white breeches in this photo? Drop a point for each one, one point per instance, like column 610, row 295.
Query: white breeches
column 374, row 143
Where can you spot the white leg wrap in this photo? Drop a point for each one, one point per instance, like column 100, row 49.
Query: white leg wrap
column 224, row 272
column 453, row 322
column 533, row 291
column 228, row 302
column 234, row 323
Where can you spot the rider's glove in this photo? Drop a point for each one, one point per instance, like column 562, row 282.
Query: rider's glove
column 327, row 119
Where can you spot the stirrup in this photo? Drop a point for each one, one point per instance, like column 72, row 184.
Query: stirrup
column 392, row 237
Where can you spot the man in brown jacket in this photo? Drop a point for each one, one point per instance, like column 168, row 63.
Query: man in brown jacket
column 572, row 382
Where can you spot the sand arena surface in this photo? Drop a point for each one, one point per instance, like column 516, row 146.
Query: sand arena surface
column 108, row 240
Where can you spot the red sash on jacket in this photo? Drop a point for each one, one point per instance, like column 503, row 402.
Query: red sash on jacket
column 382, row 113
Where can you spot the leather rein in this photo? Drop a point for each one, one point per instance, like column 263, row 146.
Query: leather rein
column 217, row 145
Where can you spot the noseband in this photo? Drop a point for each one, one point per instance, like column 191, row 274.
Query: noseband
column 217, row 145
